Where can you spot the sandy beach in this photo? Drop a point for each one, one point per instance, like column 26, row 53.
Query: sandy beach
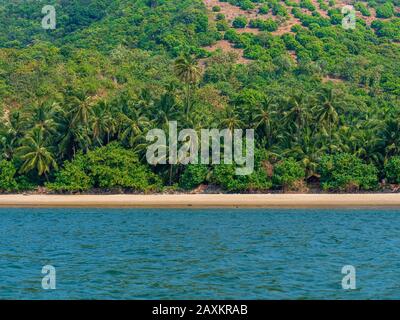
column 204, row 200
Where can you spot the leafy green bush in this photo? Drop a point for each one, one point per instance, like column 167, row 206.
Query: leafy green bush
column 239, row 22
column 7, row 176
column 392, row 170
column 107, row 167
column 259, row 180
column 279, row 10
column 363, row 9
column 385, row 10
column 264, row 25
column 220, row 16
column 307, row 4
column 74, row 177
column 346, row 172
column 225, row 176
column 222, row 25
column 287, row 173
column 193, row 176
column 246, row 5
column 263, row 9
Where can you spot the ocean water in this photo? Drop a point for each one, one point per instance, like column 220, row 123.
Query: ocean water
column 199, row 254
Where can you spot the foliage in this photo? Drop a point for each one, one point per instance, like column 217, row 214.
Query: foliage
column 109, row 167
column 385, row 10
column 346, row 172
column 193, row 176
column 392, row 170
column 287, row 172
column 7, row 176
column 239, row 22
column 113, row 70
column 73, row 177
column 226, row 177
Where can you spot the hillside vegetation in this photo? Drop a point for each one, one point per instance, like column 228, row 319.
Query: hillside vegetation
column 76, row 102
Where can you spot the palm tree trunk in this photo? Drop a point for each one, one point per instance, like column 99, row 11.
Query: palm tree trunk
column 188, row 98
column 170, row 174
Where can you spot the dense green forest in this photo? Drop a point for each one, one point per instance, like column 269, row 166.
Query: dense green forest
column 77, row 101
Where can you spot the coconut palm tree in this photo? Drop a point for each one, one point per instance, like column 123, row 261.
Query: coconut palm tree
column 297, row 112
column 391, row 137
column 102, row 123
column 326, row 110
column 188, row 71
column 263, row 118
column 81, row 111
column 35, row 154
column 133, row 127
column 71, row 137
column 231, row 119
column 43, row 117
column 11, row 132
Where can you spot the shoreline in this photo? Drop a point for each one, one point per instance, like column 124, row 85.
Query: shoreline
column 377, row 200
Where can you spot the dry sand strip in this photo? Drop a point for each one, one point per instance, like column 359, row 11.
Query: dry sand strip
column 204, row 201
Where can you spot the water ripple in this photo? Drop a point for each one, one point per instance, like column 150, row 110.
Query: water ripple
column 199, row 254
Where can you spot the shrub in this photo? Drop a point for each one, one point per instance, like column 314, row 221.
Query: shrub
column 73, row 177
column 363, row 9
column 263, row 9
column 346, row 172
column 385, row 10
column 7, row 176
column 220, row 16
column 268, row 24
column 295, row 28
column 222, row 25
column 246, row 5
column 107, row 167
column 307, row 4
column 216, row 9
column 279, row 10
column 193, row 176
column 239, row 22
column 287, row 173
column 225, row 176
column 259, row 180
column 392, row 170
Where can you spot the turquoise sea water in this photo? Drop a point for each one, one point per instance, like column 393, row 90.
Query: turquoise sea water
column 199, row 254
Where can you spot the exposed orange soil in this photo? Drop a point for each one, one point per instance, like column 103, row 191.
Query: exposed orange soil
column 230, row 11
column 286, row 26
column 248, row 30
column 226, row 47
column 332, row 79
column 323, row 13
column 369, row 19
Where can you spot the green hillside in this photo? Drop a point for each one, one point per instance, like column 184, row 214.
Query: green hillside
column 77, row 101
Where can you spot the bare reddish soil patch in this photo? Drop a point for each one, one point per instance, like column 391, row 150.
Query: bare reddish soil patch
column 286, row 26
column 231, row 11
column 226, row 46
column 329, row 78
